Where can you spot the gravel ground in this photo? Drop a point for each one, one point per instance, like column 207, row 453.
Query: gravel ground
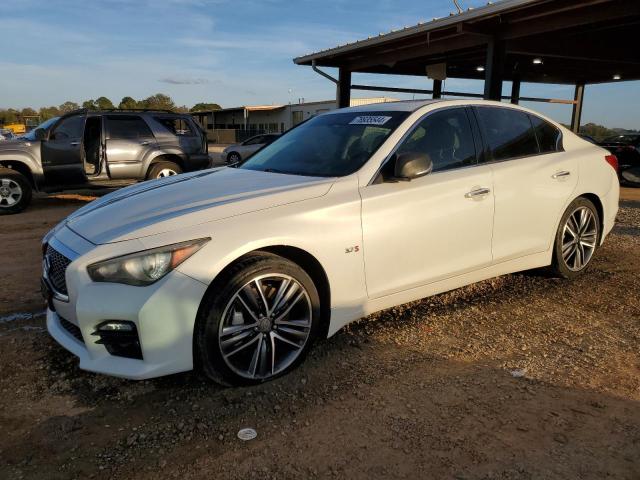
column 519, row 377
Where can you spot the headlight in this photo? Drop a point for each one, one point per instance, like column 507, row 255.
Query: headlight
column 144, row 268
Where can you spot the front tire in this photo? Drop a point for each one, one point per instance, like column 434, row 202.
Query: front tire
column 233, row 157
column 577, row 239
column 15, row 192
column 258, row 321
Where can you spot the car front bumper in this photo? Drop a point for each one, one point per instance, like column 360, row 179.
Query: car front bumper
column 164, row 315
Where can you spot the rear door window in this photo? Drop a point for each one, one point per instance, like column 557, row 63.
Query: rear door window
column 508, row 133
column 177, row 126
column 549, row 137
column 126, row 127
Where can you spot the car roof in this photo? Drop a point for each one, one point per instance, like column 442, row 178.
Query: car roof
column 399, row 106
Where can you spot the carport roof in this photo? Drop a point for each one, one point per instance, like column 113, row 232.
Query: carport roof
column 578, row 41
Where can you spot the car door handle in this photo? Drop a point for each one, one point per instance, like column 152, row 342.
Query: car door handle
column 478, row 192
column 563, row 173
column 74, row 144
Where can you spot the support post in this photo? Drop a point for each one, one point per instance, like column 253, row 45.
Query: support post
column 343, row 91
column 515, row 91
column 437, row 89
column 494, row 69
column 576, row 116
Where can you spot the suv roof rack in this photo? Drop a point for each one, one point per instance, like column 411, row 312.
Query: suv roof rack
column 116, row 110
column 134, row 110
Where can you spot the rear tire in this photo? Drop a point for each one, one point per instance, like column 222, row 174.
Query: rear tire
column 244, row 337
column 15, row 192
column 577, row 239
column 163, row 169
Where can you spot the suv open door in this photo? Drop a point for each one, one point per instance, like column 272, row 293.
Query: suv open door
column 62, row 152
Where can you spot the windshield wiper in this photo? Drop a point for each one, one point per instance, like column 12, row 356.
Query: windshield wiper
column 275, row 170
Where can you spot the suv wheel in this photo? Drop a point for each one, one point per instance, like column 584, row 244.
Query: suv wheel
column 15, row 191
column 576, row 239
column 258, row 322
column 164, row 169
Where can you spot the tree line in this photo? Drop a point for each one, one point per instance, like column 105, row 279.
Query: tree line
column 599, row 133
column 158, row 101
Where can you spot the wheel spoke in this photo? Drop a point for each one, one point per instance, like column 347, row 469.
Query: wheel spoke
column 281, row 291
column 577, row 260
column 262, row 298
column 293, row 323
column 587, row 244
column 283, row 301
column 245, row 345
column 296, row 333
column 247, row 308
column 229, row 342
column 289, row 307
column 226, row 331
column 256, row 357
column 273, row 353
column 569, row 228
column 285, row 340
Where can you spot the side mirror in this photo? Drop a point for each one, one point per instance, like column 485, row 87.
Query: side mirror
column 40, row 134
column 412, row 165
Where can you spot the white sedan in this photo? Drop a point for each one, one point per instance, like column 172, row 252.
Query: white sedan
column 240, row 270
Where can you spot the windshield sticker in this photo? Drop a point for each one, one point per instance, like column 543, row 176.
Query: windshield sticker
column 370, row 120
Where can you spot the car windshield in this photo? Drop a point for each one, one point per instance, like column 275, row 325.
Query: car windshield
column 331, row 145
column 624, row 139
column 44, row 125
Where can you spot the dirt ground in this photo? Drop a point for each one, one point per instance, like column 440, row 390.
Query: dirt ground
column 520, row 377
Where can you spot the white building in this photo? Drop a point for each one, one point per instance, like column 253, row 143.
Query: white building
column 230, row 125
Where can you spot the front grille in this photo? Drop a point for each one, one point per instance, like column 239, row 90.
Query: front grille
column 72, row 329
column 58, row 264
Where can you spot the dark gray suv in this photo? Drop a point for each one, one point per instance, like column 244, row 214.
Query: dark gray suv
column 98, row 148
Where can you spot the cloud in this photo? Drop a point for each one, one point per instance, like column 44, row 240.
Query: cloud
column 184, row 81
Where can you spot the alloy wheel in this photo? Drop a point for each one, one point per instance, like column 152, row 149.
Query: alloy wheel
column 579, row 238
column 166, row 172
column 265, row 326
column 10, row 192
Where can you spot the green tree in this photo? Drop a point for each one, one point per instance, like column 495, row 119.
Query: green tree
column 199, row 107
column 28, row 111
column 103, row 103
column 9, row 115
column 68, row 106
column 159, row 101
column 128, row 103
column 598, row 132
column 49, row 112
column 89, row 105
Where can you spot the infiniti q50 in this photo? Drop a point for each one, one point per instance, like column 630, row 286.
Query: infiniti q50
column 239, row 270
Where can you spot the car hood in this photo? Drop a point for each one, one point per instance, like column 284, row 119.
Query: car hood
column 180, row 201
column 14, row 142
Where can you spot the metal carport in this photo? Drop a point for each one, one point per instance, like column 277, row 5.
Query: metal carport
column 575, row 42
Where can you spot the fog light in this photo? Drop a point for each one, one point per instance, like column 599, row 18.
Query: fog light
column 116, row 327
column 120, row 338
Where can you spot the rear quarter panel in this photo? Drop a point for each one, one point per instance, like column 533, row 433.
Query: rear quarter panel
column 596, row 177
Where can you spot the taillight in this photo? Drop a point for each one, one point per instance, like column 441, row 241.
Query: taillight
column 613, row 161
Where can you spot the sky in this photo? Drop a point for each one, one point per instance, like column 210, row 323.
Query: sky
column 231, row 52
